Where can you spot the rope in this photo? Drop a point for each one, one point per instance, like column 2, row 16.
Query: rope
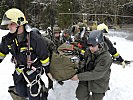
column 29, row 62
column 30, row 84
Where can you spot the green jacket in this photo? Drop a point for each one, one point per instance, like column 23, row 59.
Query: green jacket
column 98, row 78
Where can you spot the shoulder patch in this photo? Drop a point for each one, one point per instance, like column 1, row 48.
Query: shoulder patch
column 102, row 62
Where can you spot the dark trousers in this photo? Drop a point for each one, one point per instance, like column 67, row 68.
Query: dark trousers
column 83, row 93
column 24, row 91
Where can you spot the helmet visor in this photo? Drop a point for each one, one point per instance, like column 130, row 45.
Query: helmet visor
column 5, row 20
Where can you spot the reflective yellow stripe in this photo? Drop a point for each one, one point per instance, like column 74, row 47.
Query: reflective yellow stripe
column 16, row 42
column 46, row 64
column 23, row 48
column 82, row 51
column 9, row 46
column 31, row 48
column 45, row 61
column 19, row 70
column 2, row 55
column 116, row 55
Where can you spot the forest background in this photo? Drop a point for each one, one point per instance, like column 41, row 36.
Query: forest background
column 65, row 13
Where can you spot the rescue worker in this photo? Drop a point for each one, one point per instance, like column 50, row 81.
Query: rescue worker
column 51, row 47
column 56, row 35
column 80, row 33
column 112, row 50
column 74, row 30
column 66, row 36
column 30, row 55
column 95, row 74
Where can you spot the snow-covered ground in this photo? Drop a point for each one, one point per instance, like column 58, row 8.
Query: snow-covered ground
column 121, row 80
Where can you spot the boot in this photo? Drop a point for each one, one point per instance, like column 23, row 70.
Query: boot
column 14, row 95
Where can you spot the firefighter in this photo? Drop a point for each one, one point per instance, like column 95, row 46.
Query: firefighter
column 51, row 48
column 112, row 50
column 30, row 56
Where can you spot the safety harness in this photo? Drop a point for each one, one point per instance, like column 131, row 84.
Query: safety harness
column 29, row 70
column 30, row 84
column 38, row 76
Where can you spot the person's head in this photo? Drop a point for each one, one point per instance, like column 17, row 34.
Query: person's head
column 78, row 30
column 81, row 26
column 95, row 39
column 56, row 31
column 103, row 27
column 14, row 18
column 74, row 29
column 66, row 33
column 36, row 30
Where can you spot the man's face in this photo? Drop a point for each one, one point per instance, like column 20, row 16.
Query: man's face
column 57, row 34
column 12, row 27
column 93, row 49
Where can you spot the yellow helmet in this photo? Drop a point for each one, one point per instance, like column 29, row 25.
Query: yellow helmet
column 103, row 27
column 14, row 15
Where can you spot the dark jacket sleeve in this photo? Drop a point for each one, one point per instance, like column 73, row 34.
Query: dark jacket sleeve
column 113, row 50
column 40, row 47
column 4, row 50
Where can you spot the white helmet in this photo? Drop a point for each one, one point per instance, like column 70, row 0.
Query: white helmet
column 14, row 15
column 103, row 27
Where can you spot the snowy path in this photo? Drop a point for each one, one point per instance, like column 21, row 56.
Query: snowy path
column 121, row 81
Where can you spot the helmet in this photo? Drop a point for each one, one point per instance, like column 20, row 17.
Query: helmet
column 88, row 29
column 14, row 15
column 95, row 37
column 81, row 25
column 35, row 30
column 103, row 27
column 56, row 28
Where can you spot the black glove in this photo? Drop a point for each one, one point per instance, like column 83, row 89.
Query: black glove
column 119, row 59
column 50, row 83
column 60, row 82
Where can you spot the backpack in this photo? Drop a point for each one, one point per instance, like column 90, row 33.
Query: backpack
column 62, row 67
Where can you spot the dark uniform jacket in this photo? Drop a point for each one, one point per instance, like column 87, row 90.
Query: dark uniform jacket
column 112, row 50
column 97, row 70
column 18, row 48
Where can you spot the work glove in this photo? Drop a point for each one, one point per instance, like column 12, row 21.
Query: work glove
column 60, row 82
column 123, row 64
column 50, row 83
